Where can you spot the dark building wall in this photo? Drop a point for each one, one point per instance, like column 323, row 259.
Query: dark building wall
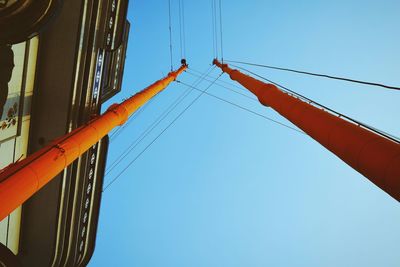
column 58, row 49
column 58, row 228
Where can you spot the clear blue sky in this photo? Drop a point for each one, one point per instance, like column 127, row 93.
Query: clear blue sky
column 223, row 187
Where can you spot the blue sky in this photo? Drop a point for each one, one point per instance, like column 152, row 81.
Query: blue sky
column 222, row 187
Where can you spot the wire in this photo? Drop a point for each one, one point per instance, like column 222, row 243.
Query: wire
column 227, row 88
column 180, row 28
column 116, row 133
column 158, row 136
column 310, row 101
column 222, row 81
column 246, row 109
column 170, row 32
column 120, row 130
column 145, row 133
column 183, row 29
column 151, row 127
column 220, row 26
column 213, row 27
column 318, row 75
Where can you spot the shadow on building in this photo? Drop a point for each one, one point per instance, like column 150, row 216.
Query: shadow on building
column 6, row 68
column 58, row 225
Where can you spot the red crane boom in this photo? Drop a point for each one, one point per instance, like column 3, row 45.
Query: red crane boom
column 21, row 180
column 373, row 155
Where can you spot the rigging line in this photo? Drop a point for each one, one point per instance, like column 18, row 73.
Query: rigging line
column 318, row 75
column 151, row 127
column 170, row 32
column 117, row 132
column 131, row 118
column 310, row 101
column 180, row 28
column 223, row 86
column 183, row 29
column 220, row 25
column 213, row 27
column 246, row 109
column 120, row 130
column 158, row 136
column 146, row 132
column 396, row 138
column 222, row 81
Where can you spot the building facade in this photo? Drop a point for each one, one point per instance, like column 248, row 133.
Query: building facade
column 51, row 84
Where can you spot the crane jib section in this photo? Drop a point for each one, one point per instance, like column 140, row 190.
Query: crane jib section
column 372, row 155
column 21, row 180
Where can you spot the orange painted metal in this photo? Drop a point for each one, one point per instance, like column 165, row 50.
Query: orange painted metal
column 373, row 155
column 20, row 181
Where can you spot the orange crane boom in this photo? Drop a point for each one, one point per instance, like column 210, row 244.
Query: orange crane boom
column 373, row 155
column 21, row 180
